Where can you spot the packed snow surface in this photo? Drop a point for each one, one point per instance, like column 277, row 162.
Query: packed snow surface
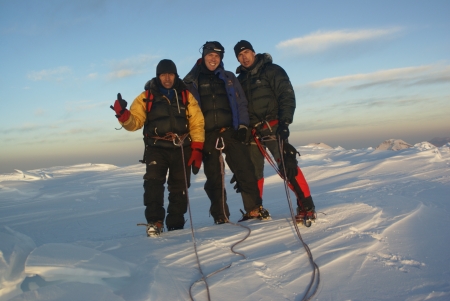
column 69, row 233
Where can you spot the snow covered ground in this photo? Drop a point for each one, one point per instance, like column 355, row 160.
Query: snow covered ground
column 69, row 233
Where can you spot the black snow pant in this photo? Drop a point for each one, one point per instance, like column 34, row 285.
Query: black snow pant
column 298, row 184
column 238, row 160
column 159, row 161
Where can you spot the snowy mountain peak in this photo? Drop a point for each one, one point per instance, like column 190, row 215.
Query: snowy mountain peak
column 424, row 146
column 393, row 144
column 319, row 145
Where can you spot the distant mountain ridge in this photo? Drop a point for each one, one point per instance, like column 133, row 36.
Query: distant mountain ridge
column 439, row 141
column 394, row 144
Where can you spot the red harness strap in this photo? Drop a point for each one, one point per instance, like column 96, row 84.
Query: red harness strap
column 149, row 97
column 265, row 154
column 184, row 96
column 271, row 123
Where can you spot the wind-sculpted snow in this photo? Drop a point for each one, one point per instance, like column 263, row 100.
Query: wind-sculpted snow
column 69, row 233
column 14, row 250
column 69, row 291
column 56, row 261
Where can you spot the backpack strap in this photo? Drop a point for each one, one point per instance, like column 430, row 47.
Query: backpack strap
column 184, row 95
column 148, row 100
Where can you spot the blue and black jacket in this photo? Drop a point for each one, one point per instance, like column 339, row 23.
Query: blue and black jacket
column 234, row 92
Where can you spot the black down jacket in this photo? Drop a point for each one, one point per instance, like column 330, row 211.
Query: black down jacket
column 268, row 90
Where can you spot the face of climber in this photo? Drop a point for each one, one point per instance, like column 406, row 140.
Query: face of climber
column 212, row 61
column 246, row 58
column 167, row 80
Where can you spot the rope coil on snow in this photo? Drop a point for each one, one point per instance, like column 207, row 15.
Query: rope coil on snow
column 315, row 277
column 219, row 148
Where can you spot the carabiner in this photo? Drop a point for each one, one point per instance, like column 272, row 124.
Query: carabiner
column 179, row 140
column 217, row 143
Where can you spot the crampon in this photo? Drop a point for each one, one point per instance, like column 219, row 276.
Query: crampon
column 153, row 229
column 305, row 218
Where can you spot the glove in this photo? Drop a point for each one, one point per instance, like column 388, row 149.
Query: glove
column 290, row 161
column 242, row 134
column 283, row 130
column 236, row 186
column 196, row 157
column 120, row 107
column 291, row 169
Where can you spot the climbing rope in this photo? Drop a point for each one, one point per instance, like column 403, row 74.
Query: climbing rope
column 315, row 277
column 178, row 141
column 220, row 145
column 222, row 172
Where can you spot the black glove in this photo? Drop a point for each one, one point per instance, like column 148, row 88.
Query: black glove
column 283, row 130
column 290, row 161
column 236, row 187
column 291, row 169
column 242, row 133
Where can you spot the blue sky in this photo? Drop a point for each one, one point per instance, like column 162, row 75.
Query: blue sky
column 363, row 71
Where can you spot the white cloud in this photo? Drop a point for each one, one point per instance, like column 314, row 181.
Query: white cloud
column 92, row 75
column 24, row 128
column 83, row 105
column 130, row 66
column 39, row 112
column 320, row 41
column 428, row 74
column 57, row 74
column 123, row 73
column 75, row 131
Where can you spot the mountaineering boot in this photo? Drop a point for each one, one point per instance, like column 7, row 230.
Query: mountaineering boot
column 154, row 229
column 259, row 213
column 220, row 221
column 305, row 217
column 175, row 228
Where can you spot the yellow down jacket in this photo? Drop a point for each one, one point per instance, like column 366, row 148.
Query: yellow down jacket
column 196, row 122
